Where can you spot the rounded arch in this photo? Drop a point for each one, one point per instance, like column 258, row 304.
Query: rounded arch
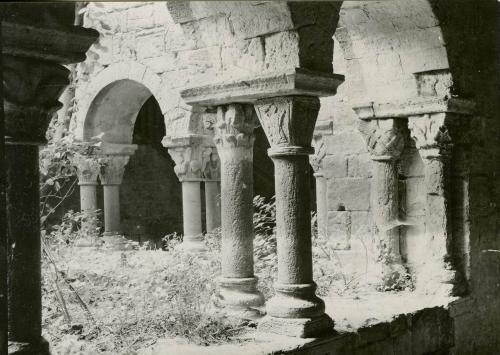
column 112, row 100
column 392, row 50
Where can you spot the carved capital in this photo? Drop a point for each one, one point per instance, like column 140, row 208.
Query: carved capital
column 288, row 123
column 431, row 135
column 384, row 138
column 234, row 127
column 31, row 90
column 316, row 159
column 87, row 168
column 210, row 163
column 188, row 162
column 113, row 168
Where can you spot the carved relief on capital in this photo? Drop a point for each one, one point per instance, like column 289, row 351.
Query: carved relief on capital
column 288, row 121
column 234, row 126
column 112, row 169
column 431, row 135
column 188, row 162
column 31, row 92
column 87, row 168
column 316, row 159
column 210, row 163
column 384, row 139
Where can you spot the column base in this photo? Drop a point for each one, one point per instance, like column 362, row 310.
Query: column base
column 240, row 298
column 193, row 245
column 298, row 327
column 115, row 241
column 295, row 301
column 40, row 348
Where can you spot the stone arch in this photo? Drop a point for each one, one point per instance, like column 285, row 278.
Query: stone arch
column 393, row 50
column 112, row 100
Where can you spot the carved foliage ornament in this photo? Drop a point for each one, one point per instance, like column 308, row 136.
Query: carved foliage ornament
column 384, row 141
column 87, row 168
column 316, row 159
column 235, row 126
column 288, row 121
column 187, row 160
column 430, row 132
column 210, row 164
column 113, row 168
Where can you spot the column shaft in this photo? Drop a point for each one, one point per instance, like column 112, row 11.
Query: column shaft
column 191, row 215
column 88, row 197
column 386, row 208
column 321, row 204
column 213, row 206
column 237, row 213
column 293, row 219
column 111, row 210
column 23, row 233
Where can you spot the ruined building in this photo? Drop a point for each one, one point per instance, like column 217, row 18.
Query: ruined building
column 380, row 115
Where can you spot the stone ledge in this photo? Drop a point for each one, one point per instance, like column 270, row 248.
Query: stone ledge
column 299, row 82
column 61, row 45
column 188, row 140
column 416, row 107
column 117, row 148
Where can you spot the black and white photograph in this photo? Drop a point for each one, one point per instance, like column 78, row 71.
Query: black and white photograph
column 250, row 177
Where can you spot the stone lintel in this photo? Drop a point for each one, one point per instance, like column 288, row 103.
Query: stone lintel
column 116, row 148
column 416, row 107
column 187, row 141
column 62, row 44
column 297, row 82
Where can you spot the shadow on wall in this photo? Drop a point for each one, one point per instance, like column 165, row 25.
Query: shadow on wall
column 151, row 195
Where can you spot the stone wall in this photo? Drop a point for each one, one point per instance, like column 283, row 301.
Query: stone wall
column 150, row 197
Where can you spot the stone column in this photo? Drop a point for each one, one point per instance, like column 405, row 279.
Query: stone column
column 316, row 161
column 385, row 142
column 33, row 79
column 295, row 310
column 187, row 160
column 111, row 178
column 87, row 168
column 211, row 173
column 433, row 141
column 234, row 140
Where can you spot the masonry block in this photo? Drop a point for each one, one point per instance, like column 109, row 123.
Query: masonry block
column 281, row 51
column 359, row 166
column 361, row 224
column 345, row 143
column 353, row 194
column 339, row 229
column 335, row 166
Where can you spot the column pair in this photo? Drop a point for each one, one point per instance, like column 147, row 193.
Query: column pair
column 110, row 169
column 195, row 163
column 287, row 107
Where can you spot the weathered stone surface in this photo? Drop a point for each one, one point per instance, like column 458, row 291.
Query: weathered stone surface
column 359, row 166
column 351, row 193
column 339, row 229
column 345, row 143
column 335, row 166
column 295, row 82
